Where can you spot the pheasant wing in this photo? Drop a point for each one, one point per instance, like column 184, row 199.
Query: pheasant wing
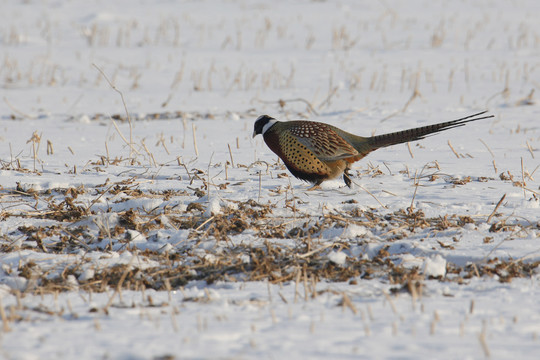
column 321, row 139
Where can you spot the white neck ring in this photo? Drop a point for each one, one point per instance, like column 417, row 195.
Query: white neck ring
column 268, row 125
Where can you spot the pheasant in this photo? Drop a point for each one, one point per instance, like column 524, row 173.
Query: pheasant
column 316, row 152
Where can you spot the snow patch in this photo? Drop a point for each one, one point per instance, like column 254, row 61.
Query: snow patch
column 87, row 274
column 352, row 231
column 135, row 236
column 434, row 266
column 337, row 257
column 213, row 208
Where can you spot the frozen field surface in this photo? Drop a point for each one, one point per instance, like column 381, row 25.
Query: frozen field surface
column 139, row 219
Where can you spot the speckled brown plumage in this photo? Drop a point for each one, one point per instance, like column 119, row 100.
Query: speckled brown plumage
column 315, row 152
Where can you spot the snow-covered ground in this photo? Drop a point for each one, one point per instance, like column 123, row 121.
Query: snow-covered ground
column 177, row 235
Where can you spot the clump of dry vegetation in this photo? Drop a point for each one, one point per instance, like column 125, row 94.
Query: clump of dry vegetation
column 168, row 246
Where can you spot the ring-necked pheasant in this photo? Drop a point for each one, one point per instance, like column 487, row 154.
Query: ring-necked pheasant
column 316, row 152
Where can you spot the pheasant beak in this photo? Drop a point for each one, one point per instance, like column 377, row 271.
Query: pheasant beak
column 254, row 134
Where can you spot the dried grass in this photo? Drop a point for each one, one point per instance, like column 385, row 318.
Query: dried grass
column 298, row 256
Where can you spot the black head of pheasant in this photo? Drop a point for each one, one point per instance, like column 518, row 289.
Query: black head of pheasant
column 316, row 152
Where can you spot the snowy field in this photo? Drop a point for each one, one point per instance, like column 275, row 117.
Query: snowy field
column 140, row 220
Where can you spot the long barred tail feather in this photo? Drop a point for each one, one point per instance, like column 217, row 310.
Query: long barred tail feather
column 419, row 133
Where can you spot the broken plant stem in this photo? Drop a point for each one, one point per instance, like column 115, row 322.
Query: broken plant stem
column 132, row 149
